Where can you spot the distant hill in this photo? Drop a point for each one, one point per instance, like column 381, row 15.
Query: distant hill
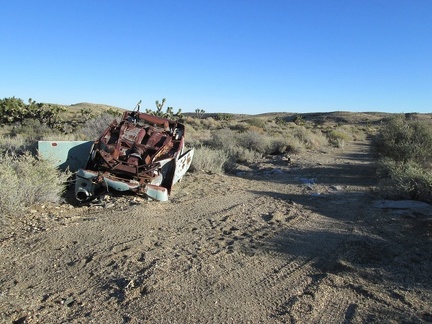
column 338, row 117
column 95, row 108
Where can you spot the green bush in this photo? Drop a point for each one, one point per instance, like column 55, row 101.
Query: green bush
column 405, row 140
column 405, row 150
column 407, row 181
column 26, row 180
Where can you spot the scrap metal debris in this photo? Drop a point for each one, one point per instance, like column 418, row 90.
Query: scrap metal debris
column 141, row 153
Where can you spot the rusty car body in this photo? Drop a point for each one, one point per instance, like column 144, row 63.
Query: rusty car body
column 141, row 153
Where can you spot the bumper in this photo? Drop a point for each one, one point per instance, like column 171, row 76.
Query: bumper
column 90, row 184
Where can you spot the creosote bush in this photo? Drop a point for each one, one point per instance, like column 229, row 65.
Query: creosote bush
column 408, row 181
column 404, row 147
column 405, row 140
column 39, row 182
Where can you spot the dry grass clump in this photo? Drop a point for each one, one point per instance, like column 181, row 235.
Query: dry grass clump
column 14, row 144
column 254, row 141
column 195, row 138
column 310, row 139
column 286, row 144
column 210, row 160
column 211, row 123
column 241, row 154
column 94, row 127
column 26, row 180
column 33, row 130
column 257, row 122
column 357, row 133
column 192, row 122
column 339, row 137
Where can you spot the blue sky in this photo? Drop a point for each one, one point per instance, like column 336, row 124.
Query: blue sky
column 233, row 56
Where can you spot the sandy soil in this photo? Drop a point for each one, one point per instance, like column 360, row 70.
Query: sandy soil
column 276, row 242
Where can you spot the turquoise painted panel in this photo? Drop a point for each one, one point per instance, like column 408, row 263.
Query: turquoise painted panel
column 72, row 154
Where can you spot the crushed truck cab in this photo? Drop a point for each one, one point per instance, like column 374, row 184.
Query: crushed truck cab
column 141, row 153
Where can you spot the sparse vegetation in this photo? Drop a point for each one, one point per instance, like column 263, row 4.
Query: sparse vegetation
column 199, row 112
column 26, row 180
column 309, row 139
column 210, row 160
column 403, row 143
column 168, row 113
column 94, row 127
column 339, row 137
column 404, row 146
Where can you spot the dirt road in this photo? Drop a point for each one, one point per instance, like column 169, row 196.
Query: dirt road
column 276, row 242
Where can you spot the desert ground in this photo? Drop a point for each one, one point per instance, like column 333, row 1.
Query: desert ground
column 299, row 240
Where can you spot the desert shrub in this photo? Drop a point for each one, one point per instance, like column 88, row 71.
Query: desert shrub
column 356, row 132
column 255, row 141
column 223, row 139
column 14, row 144
column 405, row 181
column 257, row 122
column 211, row 123
column 279, row 145
column 239, row 127
column 233, row 124
column 211, row 160
column 195, row 137
column 195, row 123
column 339, row 137
column 244, row 155
column 26, row 180
column 309, row 138
column 225, row 117
column 405, row 150
column 405, row 140
column 282, row 121
column 255, row 129
column 298, row 120
column 295, row 145
column 94, row 127
column 63, row 137
column 241, row 154
column 33, row 130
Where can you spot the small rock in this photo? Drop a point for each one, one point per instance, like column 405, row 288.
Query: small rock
column 68, row 301
column 412, row 206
